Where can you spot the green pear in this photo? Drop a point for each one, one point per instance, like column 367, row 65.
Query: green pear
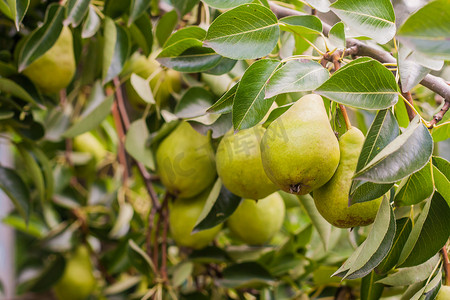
column 332, row 199
column 257, row 222
column 444, row 293
column 185, row 161
column 183, row 214
column 54, row 70
column 239, row 165
column 77, row 281
column 299, row 150
column 88, row 143
column 162, row 84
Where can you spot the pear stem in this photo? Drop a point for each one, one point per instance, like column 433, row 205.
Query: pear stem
column 446, row 265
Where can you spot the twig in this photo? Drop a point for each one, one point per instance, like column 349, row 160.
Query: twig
column 121, row 147
column 411, row 112
column 446, row 265
column 438, row 117
column 434, row 83
column 148, row 235
column 165, row 216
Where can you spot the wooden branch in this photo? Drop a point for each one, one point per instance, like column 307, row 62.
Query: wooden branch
column 411, row 112
column 433, row 83
column 446, row 265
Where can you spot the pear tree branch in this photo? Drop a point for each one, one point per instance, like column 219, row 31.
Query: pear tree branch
column 446, row 265
column 434, row 83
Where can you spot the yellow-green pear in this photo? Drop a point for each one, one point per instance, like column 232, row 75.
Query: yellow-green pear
column 185, row 161
column 299, row 150
column 54, row 70
column 183, row 214
column 239, row 165
column 444, row 293
column 88, row 143
column 332, row 199
column 257, row 222
column 162, row 84
column 77, row 281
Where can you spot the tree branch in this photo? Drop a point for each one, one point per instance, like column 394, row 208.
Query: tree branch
column 446, row 265
column 434, row 83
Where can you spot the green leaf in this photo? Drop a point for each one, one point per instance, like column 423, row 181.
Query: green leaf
column 192, row 60
column 274, row 114
column 192, row 32
column 225, row 103
column 384, row 129
column 140, row 260
column 16, row 190
column 411, row 73
column 224, row 66
column 337, row 35
column 165, row 26
column 42, row 38
column 245, row 32
column 142, row 87
column 49, row 275
column 441, row 176
column 183, row 6
column 9, row 86
column 181, row 273
column 224, row 4
column 296, row 76
column 415, row 188
column 363, row 83
column 194, row 103
column 301, row 24
column 321, row 225
column 407, row 276
column 250, row 105
column 375, row 19
column 18, row 8
column 76, row 10
column 403, row 229
column 142, row 33
column 429, row 234
column 115, row 50
column 97, row 109
column 136, row 146
column 375, row 248
column 408, row 153
column 221, row 203
column 33, row 170
column 245, row 275
column 137, row 8
column 92, row 24
column 428, row 29
column 221, row 126
column 441, row 132
column 209, row 254
column 370, row 289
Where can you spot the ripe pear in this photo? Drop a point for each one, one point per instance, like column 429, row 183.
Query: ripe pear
column 239, row 165
column 257, row 222
column 332, row 199
column 77, row 281
column 185, row 161
column 444, row 293
column 162, row 84
column 54, row 70
column 299, row 149
column 183, row 214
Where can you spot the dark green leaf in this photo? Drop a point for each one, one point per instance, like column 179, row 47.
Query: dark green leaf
column 408, row 153
column 136, row 146
column 76, row 10
column 429, row 234
column 375, row 19
column 18, row 9
column 141, row 32
column 415, row 188
column 221, row 203
column 225, row 103
column 140, row 260
column 209, row 254
column 221, row 126
column 301, row 24
column 225, row 65
column 8, row 86
column 375, row 248
column 363, row 83
column 428, row 29
column 403, row 229
column 42, row 38
column 184, row 6
column 194, row 103
column 296, row 76
column 274, row 114
column 137, row 8
column 91, row 25
column 245, row 275
column 370, row 290
column 115, row 50
column 245, row 32
column 192, row 60
column 441, row 176
column 222, row 4
column 250, row 105
column 16, row 190
column 33, row 170
column 165, row 26
column 49, row 275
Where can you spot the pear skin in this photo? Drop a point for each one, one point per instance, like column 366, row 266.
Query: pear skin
column 332, row 199
column 77, row 281
column 239, row 165
column 299, row 150
column 257, row 222
column 182, row 218
column 185, row 161
column 444, row 293
column 54, row 70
